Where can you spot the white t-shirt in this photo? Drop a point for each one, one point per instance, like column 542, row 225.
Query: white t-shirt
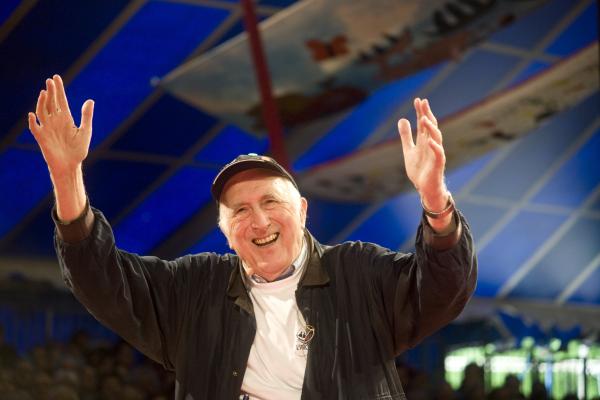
column 277, row 358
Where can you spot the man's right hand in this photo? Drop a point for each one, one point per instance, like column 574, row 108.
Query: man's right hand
column 64, row 145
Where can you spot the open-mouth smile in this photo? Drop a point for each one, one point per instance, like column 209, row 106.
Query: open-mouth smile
column 266, row 240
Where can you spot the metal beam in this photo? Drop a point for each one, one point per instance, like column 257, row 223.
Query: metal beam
column 194, row 228
column 227, row 5
column 44, row 270
column 537, row 256
column 189, row 154
column 270, row 113
column 146, row 104
column 537, row 185
column 15, row 17
column 537, row 51
column 579, row 280
column 81, row 62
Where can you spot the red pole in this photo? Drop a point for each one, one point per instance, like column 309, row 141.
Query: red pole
column 270, row 113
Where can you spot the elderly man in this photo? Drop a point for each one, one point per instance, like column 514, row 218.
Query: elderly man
column 285, row 317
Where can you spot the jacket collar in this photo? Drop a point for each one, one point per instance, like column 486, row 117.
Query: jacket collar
column 237, row 289
column 314, row 274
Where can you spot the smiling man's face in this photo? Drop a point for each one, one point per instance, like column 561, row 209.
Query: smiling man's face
column 263, row 218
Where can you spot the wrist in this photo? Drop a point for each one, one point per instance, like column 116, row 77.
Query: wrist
column 65, row 174
column 441, row 210
column 441, row 219
column 69, row 193
column 435, row 200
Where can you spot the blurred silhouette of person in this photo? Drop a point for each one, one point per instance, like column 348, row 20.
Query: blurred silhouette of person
column 538, row 391
column 473, row 385
column 512, row 385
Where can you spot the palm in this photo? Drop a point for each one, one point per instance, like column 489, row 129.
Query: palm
column 424, row 159
column 420, row 162
column 63, row 144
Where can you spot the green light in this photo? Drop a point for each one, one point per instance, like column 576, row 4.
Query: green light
column 573, row 348
column 527, row 342
column 555, row 344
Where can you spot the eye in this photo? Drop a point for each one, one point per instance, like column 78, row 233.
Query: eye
column 270, row 203
column 240, row 211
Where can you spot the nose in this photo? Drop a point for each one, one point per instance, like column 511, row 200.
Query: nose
column 260, row 219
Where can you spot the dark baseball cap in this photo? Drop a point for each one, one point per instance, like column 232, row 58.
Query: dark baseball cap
column 242, row 163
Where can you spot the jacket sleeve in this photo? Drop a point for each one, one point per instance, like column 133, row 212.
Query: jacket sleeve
column 421, row 292
column 137, row 297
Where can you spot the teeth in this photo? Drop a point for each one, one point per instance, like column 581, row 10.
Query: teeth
column 266, row 240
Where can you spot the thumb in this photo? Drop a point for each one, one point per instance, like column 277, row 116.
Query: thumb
column 87, row 114
column 34, row 127
column 405, row 133
column 405, row 137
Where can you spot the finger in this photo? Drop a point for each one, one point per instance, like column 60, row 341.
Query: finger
column 61, row 96
column 427, row 111
column 87, row 114
column 405, row 135
column 438, row 151
column 423, row 132
column 40, row 108
column 433, row 130
column 421, row 129
column 34, row 127
column 417, row 104
column 51, row 106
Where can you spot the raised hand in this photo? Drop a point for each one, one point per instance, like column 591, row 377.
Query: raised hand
column 425, row 160
column 63, row 144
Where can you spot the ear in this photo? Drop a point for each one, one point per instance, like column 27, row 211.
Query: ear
column 303, row 210
column 226, row 236
column 222, row 223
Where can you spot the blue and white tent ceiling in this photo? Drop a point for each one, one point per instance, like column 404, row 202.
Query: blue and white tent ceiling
column 328, row 55
column 533, row 204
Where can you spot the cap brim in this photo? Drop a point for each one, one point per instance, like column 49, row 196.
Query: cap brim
column 243, row 165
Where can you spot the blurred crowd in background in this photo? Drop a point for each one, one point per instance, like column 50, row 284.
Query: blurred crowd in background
column 90, row 369
column 419, row 385
column 81, row 369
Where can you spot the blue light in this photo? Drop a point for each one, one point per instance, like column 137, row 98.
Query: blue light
column 152, row 43
column 214, row 242
column 230, row 143
column 24, row 177
column 581, row 32
column 165, row 210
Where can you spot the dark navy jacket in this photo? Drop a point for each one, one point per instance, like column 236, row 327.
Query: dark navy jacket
column 194, row 316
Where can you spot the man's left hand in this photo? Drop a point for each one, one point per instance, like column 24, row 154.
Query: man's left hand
column 425, row 160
